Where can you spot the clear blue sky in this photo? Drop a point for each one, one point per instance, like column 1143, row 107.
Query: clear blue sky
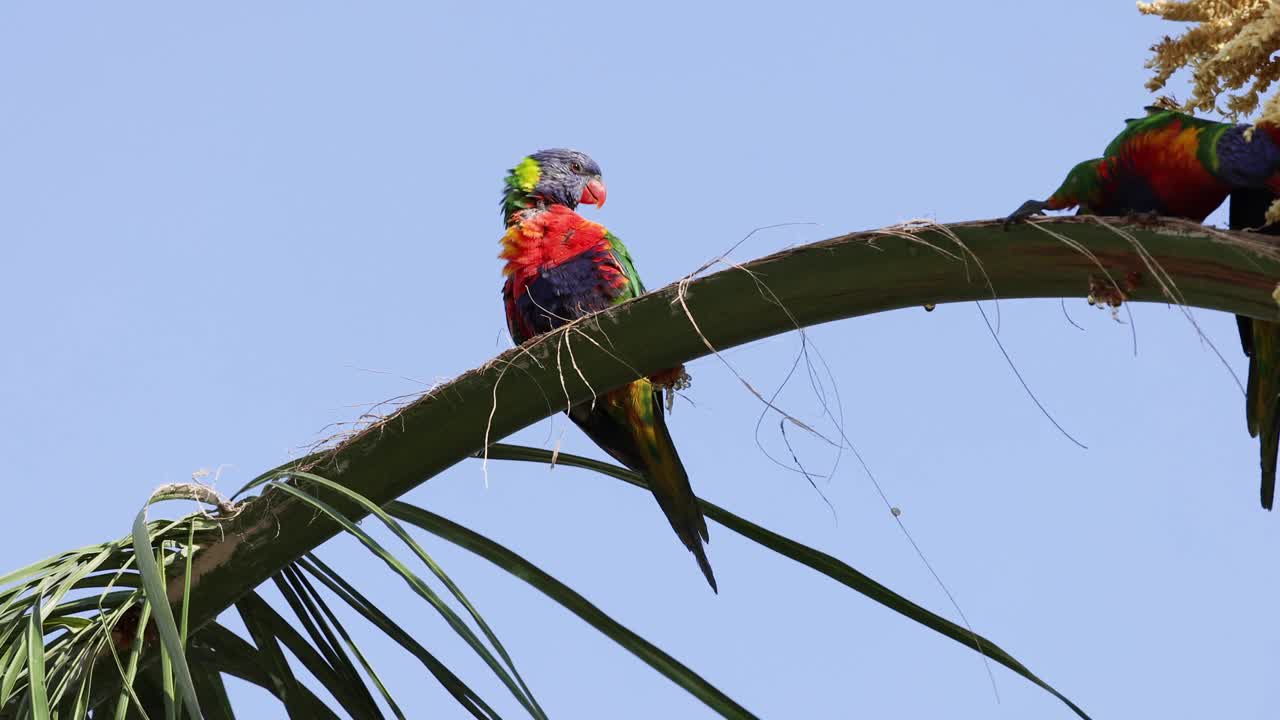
column 216, row 221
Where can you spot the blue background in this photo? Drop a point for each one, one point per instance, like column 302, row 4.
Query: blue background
column 225, row 228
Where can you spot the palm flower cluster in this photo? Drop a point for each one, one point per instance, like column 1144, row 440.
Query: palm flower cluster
column 1229, row 52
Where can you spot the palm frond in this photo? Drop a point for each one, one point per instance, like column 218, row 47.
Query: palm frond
column 830, row 566
column 93, row 632
column 574, row 602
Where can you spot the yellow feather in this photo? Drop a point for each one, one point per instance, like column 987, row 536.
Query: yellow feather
column 527, row 174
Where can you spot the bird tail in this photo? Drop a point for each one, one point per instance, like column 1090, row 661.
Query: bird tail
column 1261, row 342
column 670, row 485
column 628, row 423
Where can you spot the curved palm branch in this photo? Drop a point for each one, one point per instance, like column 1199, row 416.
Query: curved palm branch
column 129, row 629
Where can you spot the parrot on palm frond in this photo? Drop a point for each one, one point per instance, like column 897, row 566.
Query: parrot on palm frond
column 1177, row 165
column 560, row 267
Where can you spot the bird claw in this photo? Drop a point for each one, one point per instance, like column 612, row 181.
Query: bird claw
column 671, row 380
column 1024, row 211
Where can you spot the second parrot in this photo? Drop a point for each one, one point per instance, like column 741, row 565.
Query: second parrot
column 1174, row 164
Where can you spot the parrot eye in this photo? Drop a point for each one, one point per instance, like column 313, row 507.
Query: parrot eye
column 575, row 166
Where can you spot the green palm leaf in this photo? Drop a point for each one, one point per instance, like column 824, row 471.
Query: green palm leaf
column 816, row 559
column 60, row 657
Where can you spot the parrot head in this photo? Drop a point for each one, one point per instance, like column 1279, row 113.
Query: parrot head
column 556, row 176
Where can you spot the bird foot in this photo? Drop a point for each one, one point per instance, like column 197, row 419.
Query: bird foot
column 671, row 380
column 1024, row 211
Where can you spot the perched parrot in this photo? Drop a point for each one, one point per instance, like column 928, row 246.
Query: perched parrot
column 1174, row 164
column 559, row 267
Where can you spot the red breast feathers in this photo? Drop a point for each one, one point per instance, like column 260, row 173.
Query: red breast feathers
column 545, row 238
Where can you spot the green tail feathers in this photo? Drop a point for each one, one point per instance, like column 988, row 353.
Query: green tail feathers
column 628, row 424
column 1261, row 342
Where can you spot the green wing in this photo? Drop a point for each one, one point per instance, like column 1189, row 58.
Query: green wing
column 1209, row 131
column 628, row 423
column 635, row 288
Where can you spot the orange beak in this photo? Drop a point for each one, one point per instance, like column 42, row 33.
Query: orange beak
column 594, row 193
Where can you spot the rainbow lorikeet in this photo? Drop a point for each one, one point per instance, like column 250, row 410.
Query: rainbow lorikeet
column 560, row 267
column 1174, row 164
